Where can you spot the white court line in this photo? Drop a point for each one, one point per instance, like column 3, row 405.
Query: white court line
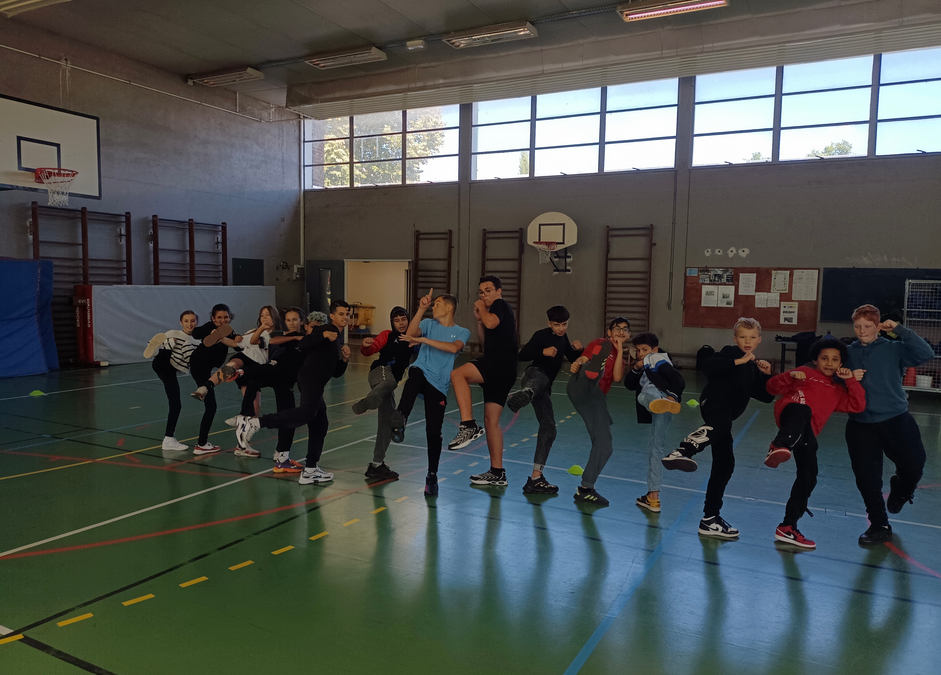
column 178, row 499
column 66, row 391
column 4, row 630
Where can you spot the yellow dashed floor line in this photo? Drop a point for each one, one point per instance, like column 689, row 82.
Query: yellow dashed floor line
column 241, row 565
column 193, row 581
column 128, row 603
column 351, row 522
column 12, row 638
column 380, row 509
column 282, row 550
column 75, row 619
column 318, row 536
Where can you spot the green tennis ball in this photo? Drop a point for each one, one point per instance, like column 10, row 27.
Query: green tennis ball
column 692, row 403
column 36, row 392
column 576, row 470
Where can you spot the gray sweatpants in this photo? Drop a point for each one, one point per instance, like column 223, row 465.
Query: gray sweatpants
column 381, row 398
column 592, row 407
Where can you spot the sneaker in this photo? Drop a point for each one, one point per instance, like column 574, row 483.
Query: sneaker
column 233, row 421
column 246, row 451
column 539, row 486
column 170, row 443
column 777, row 456
column 290, row 466
column 431, row 485
column 230, row 373
column 489, row 478
column 791, row 535
column 154, row 344
column 360, row 407
column 649, row 503
column 247, row 426
column 201, row 393
column 519, row 400
column 315, row 475
column 876, row 534
column 397, row 423
column 590, row 496
column 676, row 460
column 207, row 449
column 696, row 441
column 382, row 472
column 466, row 435
column 662, row 405
column 715, row 526
column 896, row 500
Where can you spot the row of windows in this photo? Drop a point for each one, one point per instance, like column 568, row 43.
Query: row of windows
column 806, row 111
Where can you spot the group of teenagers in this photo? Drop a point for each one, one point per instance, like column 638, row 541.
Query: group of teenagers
column 863, row 379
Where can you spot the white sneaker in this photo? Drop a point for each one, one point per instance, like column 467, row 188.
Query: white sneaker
column 233, row 421
column 247, row 451
column 170, row 443
column 207, row 449
column 315, row 475
column 154, row 344
column 245, row 429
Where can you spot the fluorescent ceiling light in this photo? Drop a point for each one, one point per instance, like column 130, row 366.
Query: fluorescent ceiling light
column 488, row 35
column 415, row 45
column 651, row 9
column 10, row 8
column 348, row 57
column 223, row 78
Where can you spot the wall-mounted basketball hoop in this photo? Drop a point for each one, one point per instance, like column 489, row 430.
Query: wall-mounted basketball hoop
column 57, row 182
column 552, row 234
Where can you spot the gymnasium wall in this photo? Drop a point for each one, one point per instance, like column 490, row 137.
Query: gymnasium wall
column 827, row 213
column 162, row 155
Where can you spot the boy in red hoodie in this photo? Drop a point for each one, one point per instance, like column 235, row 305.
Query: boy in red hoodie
column 808, row 397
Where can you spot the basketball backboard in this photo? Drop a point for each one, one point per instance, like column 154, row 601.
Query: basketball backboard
column 34, row 136
column 553, row 227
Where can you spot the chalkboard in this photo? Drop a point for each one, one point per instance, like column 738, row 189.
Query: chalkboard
column 846, row 288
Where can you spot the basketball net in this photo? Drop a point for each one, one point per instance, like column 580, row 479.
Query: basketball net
column 545, row 249
column 57, row 182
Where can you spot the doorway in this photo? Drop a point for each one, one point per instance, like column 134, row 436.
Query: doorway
column 378, row 284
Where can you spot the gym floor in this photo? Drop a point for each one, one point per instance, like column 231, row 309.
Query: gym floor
column 118, row 557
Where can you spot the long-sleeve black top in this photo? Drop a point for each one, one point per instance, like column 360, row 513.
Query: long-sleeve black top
column 729, row 387
column 550, row 365
column 322, row 358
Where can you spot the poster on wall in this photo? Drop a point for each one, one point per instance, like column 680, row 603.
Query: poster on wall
column 805, row 285
column 710, row 296
column 726, row 296
column 788, row 314
column 779, row 281
column 747, row 282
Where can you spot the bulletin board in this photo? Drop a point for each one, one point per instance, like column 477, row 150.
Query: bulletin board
column 732, row 298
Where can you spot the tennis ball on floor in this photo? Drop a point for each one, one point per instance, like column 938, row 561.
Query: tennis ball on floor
column 36, row 392
column 576, row 470
column 692, row 403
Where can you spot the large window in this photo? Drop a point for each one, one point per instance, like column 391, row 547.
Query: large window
column 909, row 116
column 567, row 133
column 640, row 126
column 405, row 146
column 501, row 139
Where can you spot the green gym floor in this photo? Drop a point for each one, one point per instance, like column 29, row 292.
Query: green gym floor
column 117, row 557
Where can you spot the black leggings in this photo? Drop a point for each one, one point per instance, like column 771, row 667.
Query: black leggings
column 167, row 374
column 282, row 382
column 312, row 412
column 201, row 369
column 797, row 434
column 435, row 405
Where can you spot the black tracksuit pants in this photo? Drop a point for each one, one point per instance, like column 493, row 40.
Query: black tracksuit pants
column 167, row 374
column 435, row 405
column 796, row 434
column 312, row 412
column 281, row 380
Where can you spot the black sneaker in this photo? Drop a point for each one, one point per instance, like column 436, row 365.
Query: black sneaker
column 466, row 435
column 676, row 460
column 397, row 424
column 590, row 496
column 519, row 400
column 539, row 486
column 488, row 477
column 876, row 534
column 382, row 472
column 431, row 485
column 715, row 526
column 896, row 499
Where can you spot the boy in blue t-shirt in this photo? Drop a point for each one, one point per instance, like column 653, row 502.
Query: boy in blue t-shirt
column 441, row 341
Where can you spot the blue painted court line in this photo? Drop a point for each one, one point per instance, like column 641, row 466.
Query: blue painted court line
column 621, row 601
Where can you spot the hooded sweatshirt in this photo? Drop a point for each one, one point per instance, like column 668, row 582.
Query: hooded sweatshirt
column 820, row 393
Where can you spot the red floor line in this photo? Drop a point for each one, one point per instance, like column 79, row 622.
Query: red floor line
column 172, row 468
column 907, row 558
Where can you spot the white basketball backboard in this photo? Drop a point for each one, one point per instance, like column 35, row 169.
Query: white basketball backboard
column 553, row 227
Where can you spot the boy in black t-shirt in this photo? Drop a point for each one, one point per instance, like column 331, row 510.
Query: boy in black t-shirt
column 495, row 373
column 546, row 349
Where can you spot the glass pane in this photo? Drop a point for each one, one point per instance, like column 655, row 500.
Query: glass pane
column 851, row 105
column 642, row 94
column 642, row 155
column 501, row 137
column 327, row 152
column 500, row 165
column 309, row 178
column 377, row 147
column 921, row 64
column 626, row 126
column 910, row 100
column 317, row 130
column 567, row 161
column 735, row 85
column 377, row 173
column 896, row 138
column 434, row 118
column 568, row 131
column 377, row 123
column 431, row 143
column 732, row 148
column 828, row 74
column 734, row 115
column 433, row 170
column 336, row 176
column 847, row 140
column 568, row 103
column 507, row 110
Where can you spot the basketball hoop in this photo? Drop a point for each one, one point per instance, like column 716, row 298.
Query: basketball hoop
column 57, row 182
column 545, row 250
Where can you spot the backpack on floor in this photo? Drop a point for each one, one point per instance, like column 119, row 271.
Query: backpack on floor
column 703, row 355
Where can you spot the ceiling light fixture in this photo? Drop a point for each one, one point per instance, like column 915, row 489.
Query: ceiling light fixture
column 651, row 9
column 348, row 57
column 223, row 78
column 415, row 45
column 10, row 8
column 488, row 35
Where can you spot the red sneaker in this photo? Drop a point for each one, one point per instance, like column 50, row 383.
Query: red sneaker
column 791, row 535
column 777, row 456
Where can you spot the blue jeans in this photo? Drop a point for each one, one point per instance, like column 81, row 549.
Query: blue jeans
column 656, row 443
